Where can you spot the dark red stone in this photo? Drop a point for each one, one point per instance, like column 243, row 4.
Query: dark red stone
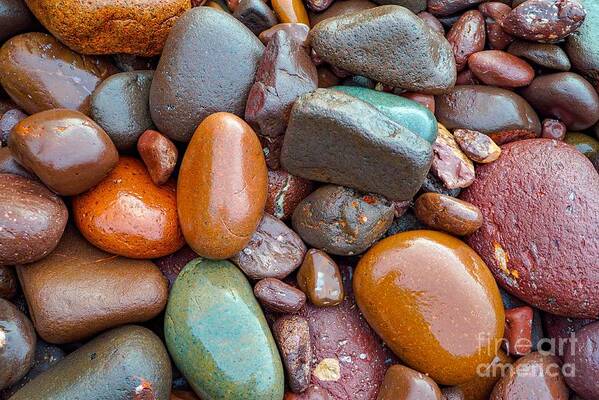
column 494, row 12
column 285, row 191
column 553, row 129
column 560, row 330
column 539, row 202
column 467, row 36
column 518, row 330
column 171, row 265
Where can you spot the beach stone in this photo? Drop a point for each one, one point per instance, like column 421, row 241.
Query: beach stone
column 285, row 192
column 292, row 334
column 129, row 62
column 403, row 383
column 78, row 291
column 583, row 356
column 477, row 146
column 438, row 342
column 120, row 105
column 342, row 221
column 415, row 6
column 298, row 32
column 341, row 7
column 15, row 18
column 40, row 73
column 449, row 7
column 467, row 36
column 171, row 265
column 544, row 20
column 220, row 204
column 285, row 72
column 125, row 362
column 291, row 11
column 553, row 129
column 8, row 120
column 58, row 132
column 499, row 68
column 320, row 279
column 519, row 237
column 450, row 165
column 582, row 46
column 104, row 27
column 159, row 155
column 545, row 55
column 405, row 112
column 404, row 44
column 532, row 376
column 278, row 296
column 448, row 214
column 218, row 337
column 186, row 90
column 379, row 155
column 583, row 143
column 126, row 214
column 32, row 219
column 494, row 12
column 255, row 15
column 8, row 282
column 10, row 165
column 274, row 251
column 17, row 344
column 467, row 107
column 432, row 184
column 518, row 330
column 565, row 96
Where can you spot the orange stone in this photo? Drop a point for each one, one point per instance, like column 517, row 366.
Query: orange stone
column 403, row 383
column 434, row 302
column 222, row 186
column 291, row 11
column 128, row 215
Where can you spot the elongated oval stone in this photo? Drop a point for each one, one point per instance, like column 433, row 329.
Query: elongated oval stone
column 218, row 337
column 121, row 364
column 405, row 112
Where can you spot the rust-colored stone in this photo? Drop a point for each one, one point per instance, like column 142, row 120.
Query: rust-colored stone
column 159, row 154
column 467, row 36
column 292, row 11
column 518, row 330
column 403, row 383
column 320, row 279
column 278, row 296
column 292, row 334
column 285, row 191
column 499, row 68
column 448, row 214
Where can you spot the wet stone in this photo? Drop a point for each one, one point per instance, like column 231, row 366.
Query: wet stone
column 278, row 296
column 448, row 214
column 285, row 192
column 477, row 146
column 159, row 155
column 292, row 334
column 450, row 164
column 546, row 55
column 320, row 279
column 467, row 36
column 256, row 15
column 553, row 129
column 518, row 330
column 8, row 282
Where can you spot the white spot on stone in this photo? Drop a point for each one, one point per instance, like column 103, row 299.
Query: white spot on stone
column 328, row 370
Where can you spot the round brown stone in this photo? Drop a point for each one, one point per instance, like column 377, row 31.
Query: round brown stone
column 448, row 214
column 539, row 202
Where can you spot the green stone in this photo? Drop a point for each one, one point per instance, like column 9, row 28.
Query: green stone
column 583, row 143
column 218, row 337
column 405, row 112
column 116, row 365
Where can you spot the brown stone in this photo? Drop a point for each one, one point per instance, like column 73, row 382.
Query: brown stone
column 499, row 68
column 494, row 12
column 222, row 187
column 341, row 7
column 292, row 11
column 553, row 129
column 534, row 376
column 77, row 153
column 477, row 146
column 17, row 344
column 108, row 27
column 285, row 191
column 256, row 15
column 274, row 251
column 320, row 279
column 171, row 265
column 8, row 120
column 79, row 290
column 159, row 155
column 278, row 296
column 448, row 214
column 466, row 77
column 403, row 383
column 292, row 334
column 433, row 301
column 482, row 385
column 318, row 5
column 432, row 21
column 467, row 36
column 40, row 73
column 32, row 220
column 518, row 330
column 544, row 20
column 285, row 72
column 450, row 164
column 8, row 282
column 449, row 7
column 297, row 31
column 126, row 214
column 271, row 147
column 426, row 100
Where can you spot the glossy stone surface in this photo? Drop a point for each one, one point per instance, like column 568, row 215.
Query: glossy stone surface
column 120, row 106
column 159, row 155
column 533, row 376
column 17, row 344
column 8, row 282
column 467, row 107
column 105, row 27
column 32, row 218
column 553, row 129
column 173, row 264
column 566, row 96
column 39, row 73
column 403, row 383
column 432, row 320
column 68, row 151
column 342, row 221
column 218, row 337
column 291, row 11
column 519, row 236
column 220, row 204
column 185, row 89
column 467, row 36
column 449, row 7
column 582, row 46
column 79, row 290
column 126, row 214
column 278, row 296
column 499, row 68
column 15, row 18
column 121, row 363
column 448, row 214
column 320, row 279
column 543, row 54
column 403, row 42
column 274, row 251
column 583, row 143
column 285, row 191
column 378, row 155
column 494, row 12
column 584, row 357
column 285, row 72
column 518, row 330
column 405, row 112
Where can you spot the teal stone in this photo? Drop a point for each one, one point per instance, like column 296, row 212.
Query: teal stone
column 217, row 335
column 405, row 112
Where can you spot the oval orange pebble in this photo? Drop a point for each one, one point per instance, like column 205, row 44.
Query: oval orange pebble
column 434, row 302
column 128, row 215
column 222, row 186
